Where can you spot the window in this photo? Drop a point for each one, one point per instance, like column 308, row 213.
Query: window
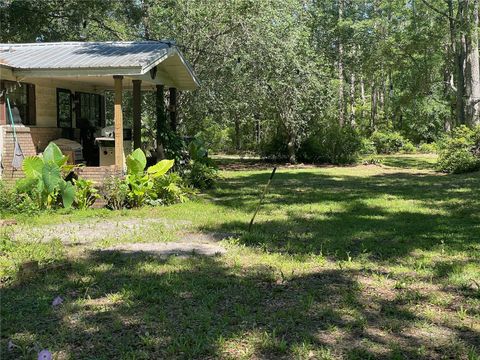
column 22, row 101
column 90, row 110
column 64, row 108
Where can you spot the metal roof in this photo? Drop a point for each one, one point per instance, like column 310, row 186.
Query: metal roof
column 75, row 55
column 93, row 58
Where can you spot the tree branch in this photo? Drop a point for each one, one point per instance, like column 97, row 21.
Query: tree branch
column 438, row 11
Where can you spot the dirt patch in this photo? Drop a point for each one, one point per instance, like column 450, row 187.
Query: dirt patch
column 83, row 234
column 90, row 231
column 163, row 250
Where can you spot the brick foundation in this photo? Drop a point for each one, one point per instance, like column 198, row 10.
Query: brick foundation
column 97, row 174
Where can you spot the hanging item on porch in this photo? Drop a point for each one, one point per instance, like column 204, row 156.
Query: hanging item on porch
column 17, row 150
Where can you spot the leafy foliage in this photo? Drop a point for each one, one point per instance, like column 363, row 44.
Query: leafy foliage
column 388, row 142
column 171, row 189
column 460, row 152
column 331, row 144
column 115, row 192
column 201, row 171
column 140, row 183
column 44, row 182
column 85, row 193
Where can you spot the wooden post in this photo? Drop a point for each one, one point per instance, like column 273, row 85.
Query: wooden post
column 137, row 114
column 172, row 107
column 118, row 120
column 161, row 121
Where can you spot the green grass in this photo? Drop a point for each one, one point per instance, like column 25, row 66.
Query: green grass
column 342, row 263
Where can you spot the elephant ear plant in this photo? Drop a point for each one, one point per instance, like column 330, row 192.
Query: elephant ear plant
column 140, row 181
column 44, row 181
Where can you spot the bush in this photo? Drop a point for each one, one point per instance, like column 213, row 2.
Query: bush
column 367, row 147
column 201, row 172
column 201, row 176
column 13, row 202
column 427, row 148
column 331, row 144
column 275, row 147
column 408, row 147
column 8, row 197
column 460, row 152
column 115, row 192
column 85, row 193
column 388, row 142
column 171, row 189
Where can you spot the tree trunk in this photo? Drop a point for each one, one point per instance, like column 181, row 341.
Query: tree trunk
column 373, row 115
column 237, row 134
column 145, row 17
column 457, row 49
column 341, row 99
column 472, row 74
column 352, row 99
column 363, row 97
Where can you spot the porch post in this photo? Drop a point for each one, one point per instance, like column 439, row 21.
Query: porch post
column 118, row 120
column 137, row 114
column 161, row 121
column 172, row 107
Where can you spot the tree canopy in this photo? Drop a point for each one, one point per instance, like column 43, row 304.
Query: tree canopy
column 278, row 70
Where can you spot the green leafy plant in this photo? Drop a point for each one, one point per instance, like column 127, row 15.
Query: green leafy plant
column 139, row 181
column 427, row 148
column 85, row 193
column 201, row 176
column 171, row 189
column 367, row 147
column 388, row 142
column 408, row 147
column 115, row 192
column 331, row 144
column 201, row 171
column 44, row 182
column 460, row 152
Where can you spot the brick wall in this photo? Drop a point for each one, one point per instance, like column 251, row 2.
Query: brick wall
column 98, row 174
column 25, row 139
column 41, row 136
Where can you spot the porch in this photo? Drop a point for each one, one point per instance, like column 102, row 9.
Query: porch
column 61, row 96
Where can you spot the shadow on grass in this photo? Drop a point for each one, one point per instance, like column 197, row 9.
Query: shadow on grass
column 409, row 162
column 123, row 306
column 387, row 215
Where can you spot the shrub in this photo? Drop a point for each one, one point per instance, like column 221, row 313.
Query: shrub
column 460, row 152
column 427, row 148
column 201, row 176
column 139, row 181
column 85, row 193
column 201, row 171
column 367, row 147
column 138, row 186
column 8, row 197
column 171, row 189
column 115, row 192
column 13, row 202
column 275, row 147
column 388, row 142
column 332, row 144
column 408, row 147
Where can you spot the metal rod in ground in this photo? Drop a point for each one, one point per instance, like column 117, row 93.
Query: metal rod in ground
column 261, row 199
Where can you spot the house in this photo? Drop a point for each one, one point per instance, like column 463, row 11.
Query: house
column 57, row 91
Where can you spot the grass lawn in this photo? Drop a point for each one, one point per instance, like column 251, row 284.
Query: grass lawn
column 360, row 262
